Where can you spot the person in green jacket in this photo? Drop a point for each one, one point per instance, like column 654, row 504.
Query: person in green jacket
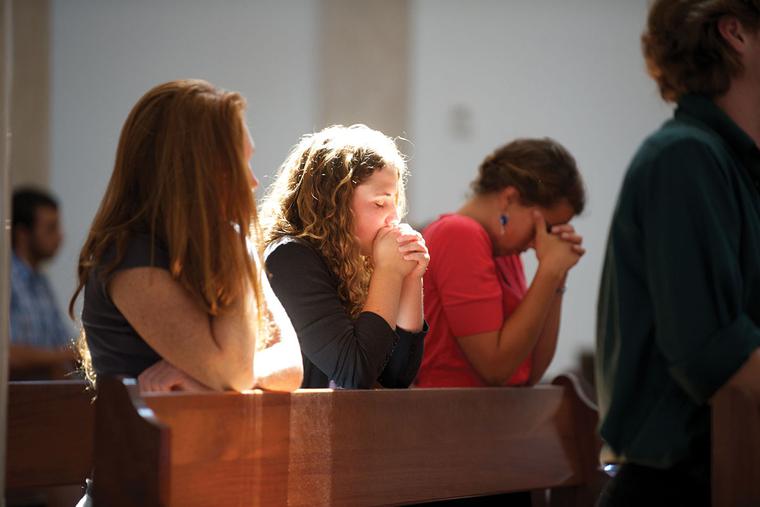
column 679, row 302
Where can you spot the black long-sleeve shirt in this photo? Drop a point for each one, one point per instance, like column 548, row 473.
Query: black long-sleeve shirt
column 354, row 354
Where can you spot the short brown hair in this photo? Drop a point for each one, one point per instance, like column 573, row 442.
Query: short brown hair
column 684, row 50
column 542, row 170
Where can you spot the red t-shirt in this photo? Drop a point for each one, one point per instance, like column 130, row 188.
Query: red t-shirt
column 467, row 291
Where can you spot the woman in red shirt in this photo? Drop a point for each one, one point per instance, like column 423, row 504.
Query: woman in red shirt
column 487, row 328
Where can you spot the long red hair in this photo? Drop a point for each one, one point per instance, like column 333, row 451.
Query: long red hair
column 181, row 177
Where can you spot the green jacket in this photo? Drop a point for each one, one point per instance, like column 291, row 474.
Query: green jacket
column 679, row 303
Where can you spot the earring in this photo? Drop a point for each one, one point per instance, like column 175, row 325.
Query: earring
column 503, row 220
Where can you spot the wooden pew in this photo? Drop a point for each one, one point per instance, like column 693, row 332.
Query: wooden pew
column 374, row 442
column 50, row 434
column 322, row 447
column 735, row 448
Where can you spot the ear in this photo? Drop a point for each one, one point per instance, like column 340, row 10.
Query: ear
column 509, row 195
column 20, row 234
column 733, row 32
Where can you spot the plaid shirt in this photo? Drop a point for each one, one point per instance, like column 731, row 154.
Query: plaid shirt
column 35, row 317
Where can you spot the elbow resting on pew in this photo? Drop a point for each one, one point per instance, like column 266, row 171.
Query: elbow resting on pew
column 278, row 368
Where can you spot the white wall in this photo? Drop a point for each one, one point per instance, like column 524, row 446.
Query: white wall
column 485, row 72
column 482, row 72
column 105, row 54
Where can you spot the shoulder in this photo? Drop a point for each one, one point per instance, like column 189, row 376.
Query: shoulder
column 679, row 151
column 20, row 271
column 454, row 228
column 458, row 244
column 139, row 250
column 288, row 249
column 294, row 258
column 141, row 256
column 142, row 278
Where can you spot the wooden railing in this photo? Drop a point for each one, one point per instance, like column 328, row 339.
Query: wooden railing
column 312, row 447
column 736, row 448
column 50, row 430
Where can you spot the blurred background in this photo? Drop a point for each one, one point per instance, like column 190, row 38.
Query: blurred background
column 455, row 79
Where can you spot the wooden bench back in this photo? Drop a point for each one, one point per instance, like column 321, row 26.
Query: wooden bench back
column 50, row 434
column 343, row 447
column 321, row 447
column 736, row 448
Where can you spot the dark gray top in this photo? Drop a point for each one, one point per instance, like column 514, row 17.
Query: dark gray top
column 350, row 353
column 115, row 346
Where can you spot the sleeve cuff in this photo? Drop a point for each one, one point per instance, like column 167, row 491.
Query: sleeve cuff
column 403, row 333
column 709, row 367
column 372, row 324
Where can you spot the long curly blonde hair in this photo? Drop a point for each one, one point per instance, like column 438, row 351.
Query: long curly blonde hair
column 311, row 199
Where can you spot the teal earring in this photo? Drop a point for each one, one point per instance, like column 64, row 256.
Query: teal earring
column 503, row 220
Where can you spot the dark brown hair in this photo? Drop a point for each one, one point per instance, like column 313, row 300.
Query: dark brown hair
column 25, row 202
column 684, row 50
column 542, row 170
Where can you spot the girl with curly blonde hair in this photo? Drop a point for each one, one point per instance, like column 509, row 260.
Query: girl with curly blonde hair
column 347, row 273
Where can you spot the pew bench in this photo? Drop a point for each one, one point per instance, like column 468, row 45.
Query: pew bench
column 49, row 445
column 343, row 447
column 313, row 447
column 735, row 448
column 49, row 434
column 51, row 427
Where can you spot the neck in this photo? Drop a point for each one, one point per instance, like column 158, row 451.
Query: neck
column 482, row 209
column 742, row 104
column 23, row 253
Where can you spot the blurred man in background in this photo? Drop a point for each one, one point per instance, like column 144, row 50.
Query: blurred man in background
column 40, row 337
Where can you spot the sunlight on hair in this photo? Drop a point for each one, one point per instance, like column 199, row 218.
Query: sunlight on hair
column 311, row 197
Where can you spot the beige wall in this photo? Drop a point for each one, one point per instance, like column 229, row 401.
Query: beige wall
column 30, row 100
column 364, row 73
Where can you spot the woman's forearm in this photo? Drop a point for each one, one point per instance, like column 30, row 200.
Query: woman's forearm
column 383, row 295
column 521, row 331
column 280, row 366
column 235, row 333
column 216, row 351
column 546, row 346
column 410, row 312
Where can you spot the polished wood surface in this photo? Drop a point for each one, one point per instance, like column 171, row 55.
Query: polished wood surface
column 50, row 433
column 735, row 448
column 321, row 447
column 314, row 447
column 130, row 446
